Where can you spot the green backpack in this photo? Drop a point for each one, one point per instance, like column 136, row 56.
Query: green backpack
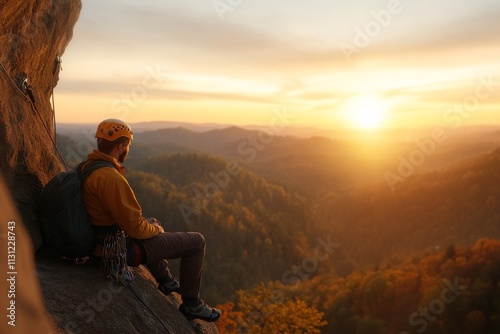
column 64, row 221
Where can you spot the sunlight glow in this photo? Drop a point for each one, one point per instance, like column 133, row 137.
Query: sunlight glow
column 366, row 112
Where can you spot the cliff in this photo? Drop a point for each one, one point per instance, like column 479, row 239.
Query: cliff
column 80, row 299
column 33, row 34
column 50, row 292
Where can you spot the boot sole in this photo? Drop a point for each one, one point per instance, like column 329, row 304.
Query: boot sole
column 191, row 316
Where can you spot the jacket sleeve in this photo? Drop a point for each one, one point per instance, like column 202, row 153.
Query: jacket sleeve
column 125, row 209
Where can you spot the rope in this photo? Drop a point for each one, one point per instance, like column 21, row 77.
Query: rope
column 114, row 263
column 31, row 99
column 167, row 328
column 57, row 68
column 13, row 83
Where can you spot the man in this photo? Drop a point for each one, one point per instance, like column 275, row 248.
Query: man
column 112, row 205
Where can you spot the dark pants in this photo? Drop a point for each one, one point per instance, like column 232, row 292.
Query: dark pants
column 189, row 247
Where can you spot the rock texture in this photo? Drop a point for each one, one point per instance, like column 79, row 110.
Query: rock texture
column 78, row 298
column 20, row 298
column 33, row 34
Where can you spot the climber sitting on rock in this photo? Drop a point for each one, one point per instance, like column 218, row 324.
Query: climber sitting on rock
column 112, row 206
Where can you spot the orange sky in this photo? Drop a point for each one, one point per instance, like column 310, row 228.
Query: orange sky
column 366, row 64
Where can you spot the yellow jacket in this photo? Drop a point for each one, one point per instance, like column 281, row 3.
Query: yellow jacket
column 109, row 200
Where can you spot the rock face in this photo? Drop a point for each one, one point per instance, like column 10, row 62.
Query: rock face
column 78, row 298
column 20, row 296
column 33, row 34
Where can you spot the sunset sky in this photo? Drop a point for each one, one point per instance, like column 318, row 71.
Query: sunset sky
column 331, row 64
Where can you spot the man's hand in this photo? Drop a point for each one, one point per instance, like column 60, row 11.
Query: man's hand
column 155, row 222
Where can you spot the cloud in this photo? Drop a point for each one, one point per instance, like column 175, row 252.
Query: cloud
column 198, row 40
column 438, row 43
column 123, row 90
column 286, row 48
column 267, row 42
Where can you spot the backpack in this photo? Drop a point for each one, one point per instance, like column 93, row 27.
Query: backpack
column 64, row 221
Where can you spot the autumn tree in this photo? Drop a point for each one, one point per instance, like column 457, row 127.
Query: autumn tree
column 228, row 323
column 266, row 310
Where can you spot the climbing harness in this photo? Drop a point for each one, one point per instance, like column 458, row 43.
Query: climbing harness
column 26, row 88
column 114, row 259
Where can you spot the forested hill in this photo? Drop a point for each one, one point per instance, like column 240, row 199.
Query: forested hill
column 213, row 141
column 313, row 165
column 262, row 208
column 254, row 230
column 453, row 291
column 316, row 165
column 265, row 230
column 299, row 164
column 427, row 212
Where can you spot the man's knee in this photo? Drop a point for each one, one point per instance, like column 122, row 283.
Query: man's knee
column 200, row 239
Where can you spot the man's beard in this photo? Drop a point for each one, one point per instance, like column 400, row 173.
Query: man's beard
column 122, row 156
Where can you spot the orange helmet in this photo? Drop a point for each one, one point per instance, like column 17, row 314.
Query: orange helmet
column 112, row 129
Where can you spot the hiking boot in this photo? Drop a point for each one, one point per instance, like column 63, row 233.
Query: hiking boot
column 169, row 286
column 202, row 312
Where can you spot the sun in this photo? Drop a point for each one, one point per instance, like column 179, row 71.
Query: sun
column 367, row 112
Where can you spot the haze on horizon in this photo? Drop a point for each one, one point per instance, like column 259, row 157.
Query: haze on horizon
column 361, row 65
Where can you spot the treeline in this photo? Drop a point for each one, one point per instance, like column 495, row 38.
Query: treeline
column 258, row 231
column 426, row 213
column 255, row 231
column 455, row 291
